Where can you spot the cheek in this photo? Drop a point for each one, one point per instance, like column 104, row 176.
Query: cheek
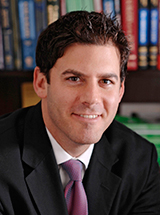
column 60, row 101
column 111, row 102
column 112, row 98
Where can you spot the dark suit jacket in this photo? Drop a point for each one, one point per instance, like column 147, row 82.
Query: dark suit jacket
column 122, row 177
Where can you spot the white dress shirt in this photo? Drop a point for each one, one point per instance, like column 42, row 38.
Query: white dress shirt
column 62, row 156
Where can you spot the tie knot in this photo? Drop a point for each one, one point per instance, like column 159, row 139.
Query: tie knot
column 74, row 169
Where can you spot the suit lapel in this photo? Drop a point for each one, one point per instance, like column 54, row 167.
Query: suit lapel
column 40, row 167
column 46, row 189
column 100, row 183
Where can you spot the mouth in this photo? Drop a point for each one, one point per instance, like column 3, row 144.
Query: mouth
column 90, row 116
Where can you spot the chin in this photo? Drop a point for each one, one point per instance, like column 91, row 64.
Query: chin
column 89, row 139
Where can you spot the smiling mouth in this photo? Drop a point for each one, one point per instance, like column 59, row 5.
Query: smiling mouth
column 89, row 116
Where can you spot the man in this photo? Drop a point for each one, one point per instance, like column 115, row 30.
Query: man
column 80, row 73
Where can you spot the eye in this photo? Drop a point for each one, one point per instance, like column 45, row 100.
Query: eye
column 74, row 78
column 106, row 81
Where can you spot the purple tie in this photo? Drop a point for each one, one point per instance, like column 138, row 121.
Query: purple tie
column 74, row 192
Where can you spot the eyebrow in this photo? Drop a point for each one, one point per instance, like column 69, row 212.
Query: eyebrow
column 109, row 75
column 80, row 74
column 73, row 72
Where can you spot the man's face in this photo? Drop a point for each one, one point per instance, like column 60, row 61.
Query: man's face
column 83, row 95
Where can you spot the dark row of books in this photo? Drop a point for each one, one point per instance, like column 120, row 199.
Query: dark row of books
column 21, row 22
column 141, row 22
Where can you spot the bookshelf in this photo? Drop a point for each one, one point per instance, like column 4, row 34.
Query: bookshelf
column 141, row 86
column 10, row 89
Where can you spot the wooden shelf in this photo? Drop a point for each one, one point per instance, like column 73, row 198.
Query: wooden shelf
column 18, row 74
column 10, row 89
column 142, row 86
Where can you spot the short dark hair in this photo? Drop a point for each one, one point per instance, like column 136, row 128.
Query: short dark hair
column 80, row 27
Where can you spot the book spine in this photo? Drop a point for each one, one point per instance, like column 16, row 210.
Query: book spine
column 7, row 34
column 41, row 16
column 27, row 32
column 129, row 15
column 53, row 10
column 153, row 37
column 71, row 5
column 79, row 4
column 158, row 57
column 86, row 5
column 98, row 5
column 108, row 7
column 91, row 5
column 1, row 48
column 63, row 9
column 16, row 36
column 117, row 6
column 143, row 31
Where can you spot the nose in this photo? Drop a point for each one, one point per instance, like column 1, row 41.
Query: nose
column 90, row 95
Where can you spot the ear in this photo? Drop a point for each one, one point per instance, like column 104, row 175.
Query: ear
column 40, row 83
column 121, row 90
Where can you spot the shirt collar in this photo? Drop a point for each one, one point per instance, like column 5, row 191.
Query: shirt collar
column 62, row 156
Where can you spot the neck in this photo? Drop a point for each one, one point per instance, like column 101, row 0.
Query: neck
column 76, row 151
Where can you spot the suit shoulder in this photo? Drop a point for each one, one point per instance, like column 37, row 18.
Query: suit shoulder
column 12, row 120
column 131, row 148
column 118, row 132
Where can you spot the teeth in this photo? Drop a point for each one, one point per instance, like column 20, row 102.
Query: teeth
column 89, row 116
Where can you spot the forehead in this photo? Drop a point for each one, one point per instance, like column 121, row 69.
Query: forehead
column 90, row 59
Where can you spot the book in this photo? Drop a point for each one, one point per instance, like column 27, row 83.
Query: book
column 98, row 5
column 1, row 48
column 108, row 7
column 28, row 95
column 7, row 33
column 129, row 18
column 143, row 33
column 63, row 9
column 86, row 5
column 17, row 51
column 41, row 16
column 53, row 10
column 27, row 32
column 117, row 8
column 158, row 46
column 153, row 36
column 73, row 5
